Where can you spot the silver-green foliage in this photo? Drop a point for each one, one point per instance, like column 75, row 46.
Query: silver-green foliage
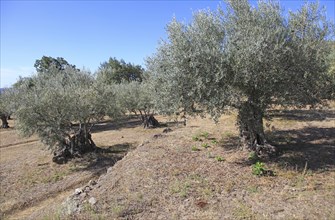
column 181, row 65
column 58, row 98
column 247, row 58
column 7, row 107
column 135, row 96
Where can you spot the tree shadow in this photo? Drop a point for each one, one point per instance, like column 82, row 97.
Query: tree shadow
column 99, row 161
column 131, row 121
column 174, row 124
column 230, row 143
column 313, row 147
column 303, row 114
column 117, row 124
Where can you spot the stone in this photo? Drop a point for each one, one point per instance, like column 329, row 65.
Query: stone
column 92, row 182
column 92, row 201
column 71, row 206
column 157, row 136
column 77, row 191
column 166, row 130
column 87, row 189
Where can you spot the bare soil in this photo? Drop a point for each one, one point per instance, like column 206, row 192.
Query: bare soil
column 193, row 172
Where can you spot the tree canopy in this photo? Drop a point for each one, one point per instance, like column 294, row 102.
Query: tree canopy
column 61, row 107
column 6, row 105
column 47, row 62
column 246, row 58
column 117, row 71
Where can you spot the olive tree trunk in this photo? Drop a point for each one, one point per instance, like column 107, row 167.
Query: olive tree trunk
column 4, row 121
column 75, row 145
column 250, row 122
column 148, row 120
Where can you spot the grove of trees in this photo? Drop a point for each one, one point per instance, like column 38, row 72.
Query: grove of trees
column 245, row 58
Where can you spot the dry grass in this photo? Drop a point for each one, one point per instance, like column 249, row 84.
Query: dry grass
column 163, row 178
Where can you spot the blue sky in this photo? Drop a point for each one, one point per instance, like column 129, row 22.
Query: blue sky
column 86, row 33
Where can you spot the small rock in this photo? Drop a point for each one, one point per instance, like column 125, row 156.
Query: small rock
column 92, row 201
column 166, row 130
column 83, row 195
column 110, row 169
column 92, row 182
column 77, row 191
column 70, row 206
column 157, row 136
column 87, row 189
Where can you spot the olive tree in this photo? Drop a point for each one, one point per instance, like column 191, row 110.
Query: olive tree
column 5, row 106
column 138, row 97
column 246, row 58
column 61, row 106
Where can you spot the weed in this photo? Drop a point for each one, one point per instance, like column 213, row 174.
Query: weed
column 196, row 138
column 258, row 169
column 205, row 145
column 214, row 141
column 204, row 134
column 194, row 148
column 219, row 158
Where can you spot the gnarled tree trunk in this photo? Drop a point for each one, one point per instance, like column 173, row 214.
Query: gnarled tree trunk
column 148, row 120
column 250, row 122
column 4, row 118
column 74, row 146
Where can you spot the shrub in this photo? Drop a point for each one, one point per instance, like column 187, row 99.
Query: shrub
column 258, row 169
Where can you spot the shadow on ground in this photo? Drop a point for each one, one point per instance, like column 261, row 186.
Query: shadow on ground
column 98, row 162
column 131, row 121
column 312, row 145
column 303, row 114
column 124, row 122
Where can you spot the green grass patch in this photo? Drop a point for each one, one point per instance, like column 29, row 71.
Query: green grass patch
column 205, row 145
column 195, row 148
column 219, row 158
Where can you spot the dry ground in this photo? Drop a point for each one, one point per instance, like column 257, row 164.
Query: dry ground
column 193, row 172
column 31, row 183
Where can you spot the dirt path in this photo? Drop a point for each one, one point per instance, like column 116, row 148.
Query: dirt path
column 49, row 205
column 20, row 143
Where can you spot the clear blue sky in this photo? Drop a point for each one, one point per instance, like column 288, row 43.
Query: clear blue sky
column 87, row 33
